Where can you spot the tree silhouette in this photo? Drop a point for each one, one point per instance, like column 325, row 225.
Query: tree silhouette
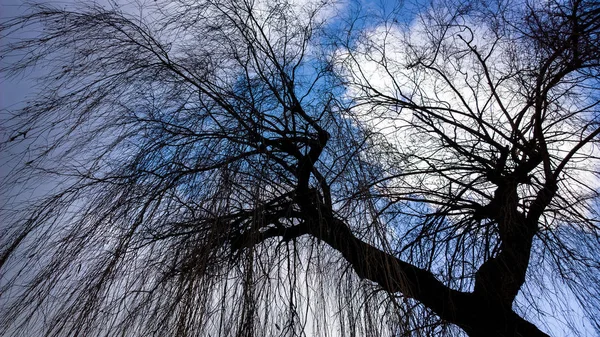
column 278, row 168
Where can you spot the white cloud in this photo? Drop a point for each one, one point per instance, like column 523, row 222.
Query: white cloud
column 441, row 68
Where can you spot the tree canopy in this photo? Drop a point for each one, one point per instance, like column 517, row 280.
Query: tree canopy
column 288, row 167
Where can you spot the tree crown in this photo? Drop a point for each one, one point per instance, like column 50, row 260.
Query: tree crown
column 264, row 168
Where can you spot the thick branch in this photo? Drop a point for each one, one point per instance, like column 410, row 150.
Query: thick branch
column 471, row 312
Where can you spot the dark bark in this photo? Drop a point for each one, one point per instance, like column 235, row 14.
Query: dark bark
column 479, row 313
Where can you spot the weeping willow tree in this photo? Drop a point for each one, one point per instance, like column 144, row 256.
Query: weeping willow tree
column 283, row 168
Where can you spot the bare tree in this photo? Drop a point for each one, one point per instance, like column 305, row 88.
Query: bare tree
column 243, row 168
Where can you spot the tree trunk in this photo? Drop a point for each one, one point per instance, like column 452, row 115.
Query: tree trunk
column 477, row 313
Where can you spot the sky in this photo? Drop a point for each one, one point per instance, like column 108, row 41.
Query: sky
column 16, row 90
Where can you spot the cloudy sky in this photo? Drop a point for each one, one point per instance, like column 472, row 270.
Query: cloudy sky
column 15, row 90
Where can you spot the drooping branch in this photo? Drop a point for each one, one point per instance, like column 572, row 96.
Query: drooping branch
column 471, row 311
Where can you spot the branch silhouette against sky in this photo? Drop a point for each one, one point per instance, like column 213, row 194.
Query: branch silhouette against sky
column 289, row 167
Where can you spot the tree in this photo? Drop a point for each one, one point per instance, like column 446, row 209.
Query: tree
column 245, row 168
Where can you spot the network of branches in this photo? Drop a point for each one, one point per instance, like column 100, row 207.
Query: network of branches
column 300, row 168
